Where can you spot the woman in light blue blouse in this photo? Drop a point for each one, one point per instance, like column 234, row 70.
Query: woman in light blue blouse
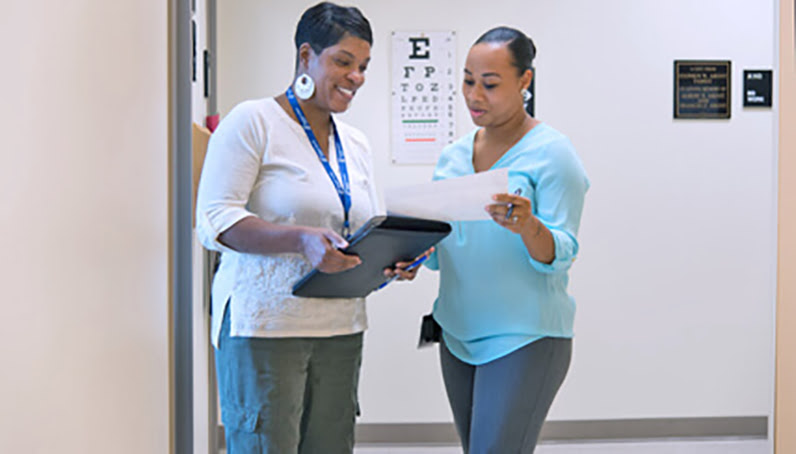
column 503, row 305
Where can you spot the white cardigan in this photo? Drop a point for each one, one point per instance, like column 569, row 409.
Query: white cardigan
column 260, row 163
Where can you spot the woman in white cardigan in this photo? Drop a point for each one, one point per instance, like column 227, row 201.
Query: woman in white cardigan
column 283, row 185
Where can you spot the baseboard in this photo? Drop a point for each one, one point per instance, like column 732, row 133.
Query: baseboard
column 444, row 434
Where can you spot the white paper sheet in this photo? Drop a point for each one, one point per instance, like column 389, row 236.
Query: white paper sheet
column 454, row 199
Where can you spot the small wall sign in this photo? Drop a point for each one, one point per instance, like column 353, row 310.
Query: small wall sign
column 757, row 88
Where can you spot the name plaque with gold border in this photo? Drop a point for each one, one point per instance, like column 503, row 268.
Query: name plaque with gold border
column 702, row 89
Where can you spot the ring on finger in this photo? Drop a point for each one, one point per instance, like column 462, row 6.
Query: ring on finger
column 515, row 219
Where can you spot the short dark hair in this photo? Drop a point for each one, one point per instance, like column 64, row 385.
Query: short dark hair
column 521, row 47
column 325, row 24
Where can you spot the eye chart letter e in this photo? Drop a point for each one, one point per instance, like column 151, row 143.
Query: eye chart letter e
column 423, row 95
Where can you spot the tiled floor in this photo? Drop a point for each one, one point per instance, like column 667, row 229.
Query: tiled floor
column 657, row 447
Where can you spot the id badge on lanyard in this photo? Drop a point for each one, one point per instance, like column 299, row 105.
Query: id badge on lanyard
column 343, row 188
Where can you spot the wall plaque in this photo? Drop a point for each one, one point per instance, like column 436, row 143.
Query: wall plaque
column 757, row 88
column 702, row 89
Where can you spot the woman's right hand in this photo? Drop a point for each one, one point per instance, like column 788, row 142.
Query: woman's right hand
column 320, row 246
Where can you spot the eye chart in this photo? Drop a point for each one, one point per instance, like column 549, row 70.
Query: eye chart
column 423, row 95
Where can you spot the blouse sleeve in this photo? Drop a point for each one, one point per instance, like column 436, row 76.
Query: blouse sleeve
column 231, row 166
column 560, row 192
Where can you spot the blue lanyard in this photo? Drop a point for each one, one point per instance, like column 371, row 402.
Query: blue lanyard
column 343, row 190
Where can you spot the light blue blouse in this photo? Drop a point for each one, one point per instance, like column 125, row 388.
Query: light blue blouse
column 494, row 298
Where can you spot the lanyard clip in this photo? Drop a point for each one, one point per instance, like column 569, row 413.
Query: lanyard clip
column 346, row 231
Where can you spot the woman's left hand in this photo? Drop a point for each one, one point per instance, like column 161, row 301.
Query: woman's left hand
column 520, row 215
column 401, row 271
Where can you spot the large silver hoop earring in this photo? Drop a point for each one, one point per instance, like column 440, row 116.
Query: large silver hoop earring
column 304, row 86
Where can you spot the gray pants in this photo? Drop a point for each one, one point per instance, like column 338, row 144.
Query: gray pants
column 499, row 407
column 288, row 395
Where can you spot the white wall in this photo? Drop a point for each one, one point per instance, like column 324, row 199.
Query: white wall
column 198, row 100
column 675, row 283
column 84, row 224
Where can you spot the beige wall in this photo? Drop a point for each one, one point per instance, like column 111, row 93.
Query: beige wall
column 84, row 222
column 785, row 418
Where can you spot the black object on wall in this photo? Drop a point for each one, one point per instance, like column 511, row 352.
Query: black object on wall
column 757, row 87
column 193, row 50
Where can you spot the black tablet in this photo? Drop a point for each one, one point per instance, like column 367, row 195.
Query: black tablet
column 380, row 243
